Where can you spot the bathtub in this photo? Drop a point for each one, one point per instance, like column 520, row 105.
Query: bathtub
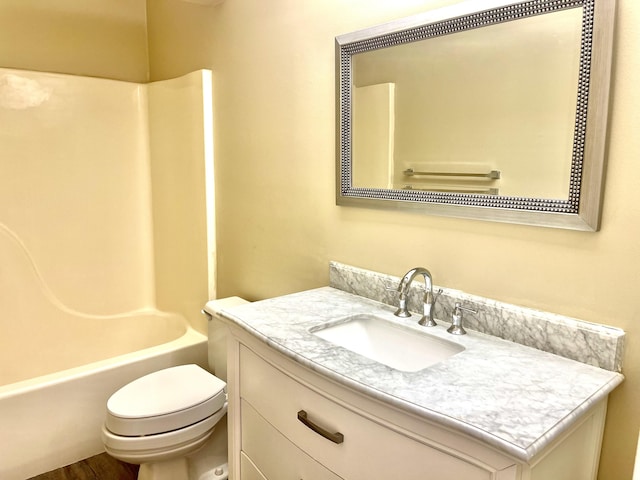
column 54, row 419
column 79, row 279
column 59, row 366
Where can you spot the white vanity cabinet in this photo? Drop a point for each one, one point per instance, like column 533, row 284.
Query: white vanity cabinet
column 365, row 438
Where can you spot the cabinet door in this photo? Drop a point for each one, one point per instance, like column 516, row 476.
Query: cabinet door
column 273, row 455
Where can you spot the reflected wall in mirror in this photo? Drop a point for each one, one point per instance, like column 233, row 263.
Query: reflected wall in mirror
column 492, row 113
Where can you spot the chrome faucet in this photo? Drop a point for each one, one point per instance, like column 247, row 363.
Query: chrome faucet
column 456, row 327
column 429, row 300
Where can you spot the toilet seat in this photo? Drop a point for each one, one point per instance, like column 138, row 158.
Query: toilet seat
column 157, row 447
column 175, row 398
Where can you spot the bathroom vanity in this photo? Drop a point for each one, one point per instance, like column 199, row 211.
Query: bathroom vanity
column 302, row 407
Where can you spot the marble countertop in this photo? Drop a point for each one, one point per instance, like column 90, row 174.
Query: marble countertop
column 515, row 398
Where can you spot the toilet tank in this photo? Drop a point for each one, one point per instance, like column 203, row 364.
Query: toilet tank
column 217, row 332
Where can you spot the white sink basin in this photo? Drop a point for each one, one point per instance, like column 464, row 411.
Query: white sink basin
column 388, row 343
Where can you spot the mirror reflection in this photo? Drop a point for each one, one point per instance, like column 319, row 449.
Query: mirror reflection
column 490, row 110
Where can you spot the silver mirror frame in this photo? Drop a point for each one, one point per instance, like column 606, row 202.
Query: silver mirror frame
column 581, row 211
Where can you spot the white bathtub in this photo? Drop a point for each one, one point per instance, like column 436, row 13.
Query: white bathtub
column 59, row 366
column 54, row 420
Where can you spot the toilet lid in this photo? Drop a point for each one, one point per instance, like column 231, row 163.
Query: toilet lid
column 165, row 400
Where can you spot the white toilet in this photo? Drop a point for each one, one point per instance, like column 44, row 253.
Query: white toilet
column 165, row 421
column 160, row 419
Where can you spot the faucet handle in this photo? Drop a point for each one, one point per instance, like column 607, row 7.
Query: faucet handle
column 456, row 327
column 466, row 309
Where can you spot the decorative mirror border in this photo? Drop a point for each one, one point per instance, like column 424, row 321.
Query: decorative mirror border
column 572, row 213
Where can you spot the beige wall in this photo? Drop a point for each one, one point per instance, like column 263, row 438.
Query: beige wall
column 97, row 38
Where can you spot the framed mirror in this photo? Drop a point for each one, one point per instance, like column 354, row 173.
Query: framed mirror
column 484, row 109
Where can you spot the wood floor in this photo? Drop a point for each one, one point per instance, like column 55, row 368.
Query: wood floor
column 100, row 467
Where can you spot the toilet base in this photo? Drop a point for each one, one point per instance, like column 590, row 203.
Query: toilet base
column 205, row 464
column 208, row 462
column 185, row 468
column 221, row 472
column 176, row 469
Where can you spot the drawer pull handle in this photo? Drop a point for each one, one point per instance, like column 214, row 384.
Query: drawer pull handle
column 334, row 437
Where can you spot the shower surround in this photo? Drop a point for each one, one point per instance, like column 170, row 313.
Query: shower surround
column 88, row 204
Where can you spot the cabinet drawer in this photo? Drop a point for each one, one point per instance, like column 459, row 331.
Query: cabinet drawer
column 272, row 454
column 369, row 450
column 248, row 471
